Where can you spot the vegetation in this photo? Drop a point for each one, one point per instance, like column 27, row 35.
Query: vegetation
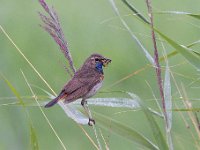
column 151, row 89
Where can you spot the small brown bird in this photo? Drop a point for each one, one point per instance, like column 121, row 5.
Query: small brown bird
column 85, row 83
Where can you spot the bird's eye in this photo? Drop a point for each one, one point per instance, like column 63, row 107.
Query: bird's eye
column 96, row 59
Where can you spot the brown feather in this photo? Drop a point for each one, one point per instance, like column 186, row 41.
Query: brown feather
column 82, row 83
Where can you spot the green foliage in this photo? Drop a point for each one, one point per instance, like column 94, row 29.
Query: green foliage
column 98, row 29
column 34, row 141
column 193, row 58
column 33, row 137
column 161, row 142
column 124, row 131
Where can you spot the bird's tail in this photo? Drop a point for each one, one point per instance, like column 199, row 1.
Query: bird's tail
column 51, row 103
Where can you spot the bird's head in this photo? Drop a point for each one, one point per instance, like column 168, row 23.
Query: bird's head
column 97, row 61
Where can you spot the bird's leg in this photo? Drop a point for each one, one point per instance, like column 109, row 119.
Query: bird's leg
column 85, row 106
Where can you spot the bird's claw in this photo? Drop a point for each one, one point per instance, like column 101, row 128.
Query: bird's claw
column 91, row 122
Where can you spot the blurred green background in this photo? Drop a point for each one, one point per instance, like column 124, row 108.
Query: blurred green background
column 92, row 27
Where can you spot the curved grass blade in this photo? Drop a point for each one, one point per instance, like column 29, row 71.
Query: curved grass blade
column 153, row 124
column 74, row 113
column 15, row 92
column 173, row 53
column 197, row 16
column 187, row 109
column 117, row 103
column 167, row 95
column 105, row 102
column 131, row 7
column 33, row 137
column 146, row 53
column 142, row 19
column 113, row 102
column 124, row 131
column 168, row 104
column 189, row 56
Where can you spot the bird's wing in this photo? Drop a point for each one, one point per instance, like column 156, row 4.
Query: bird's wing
column 80, row 85
column 81, row 79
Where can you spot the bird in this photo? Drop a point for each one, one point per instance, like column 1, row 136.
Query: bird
column 85, row 83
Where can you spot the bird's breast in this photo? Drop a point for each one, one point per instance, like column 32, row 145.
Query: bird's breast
column 94, row 90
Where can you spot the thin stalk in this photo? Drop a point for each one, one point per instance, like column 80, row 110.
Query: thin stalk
column 156, row 59
column 36, row 99
column 131, row 7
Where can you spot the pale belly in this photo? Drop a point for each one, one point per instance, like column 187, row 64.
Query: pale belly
column 94, row 90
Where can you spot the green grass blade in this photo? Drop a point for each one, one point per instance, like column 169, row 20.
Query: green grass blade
column 173, row 53
column 168, row 104
column 167, row 95
column 190, row 56
column 171, row 42
column 36, row 100
column 186, row 109
column 33, row 138
column 124, row 131
column 197, row 16
column 145, row 51
column 132, row 8
column 15, row 92
column 161, row 142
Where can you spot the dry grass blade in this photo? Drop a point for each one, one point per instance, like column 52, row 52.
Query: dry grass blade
column 91, row 140
column 130, row 75
column 188, row 105
column 181, row 114
column 106, row 145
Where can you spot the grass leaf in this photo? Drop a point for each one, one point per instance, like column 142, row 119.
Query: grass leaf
column 33, row 137
column 142, row 19
column 186, row 109
column 15, row 92
column 73, row 113
column 132, row 8
column 145, row 51
column 153, row 124
column 168, row 104
column 114, row 102
column 190, row 56
column 167, row 95
column 173, row 53
column 124, row 131
column 197, row 16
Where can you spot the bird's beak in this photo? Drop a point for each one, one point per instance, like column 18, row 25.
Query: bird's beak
column 106, row 61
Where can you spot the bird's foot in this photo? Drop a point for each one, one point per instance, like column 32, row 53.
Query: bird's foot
column 83, row 103
column 91, row 122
